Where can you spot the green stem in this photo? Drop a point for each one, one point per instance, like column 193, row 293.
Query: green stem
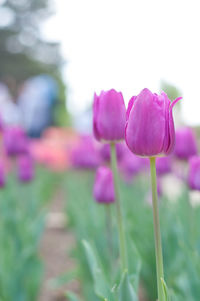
column 109, row 230
column 157, row 235
column 122, row 240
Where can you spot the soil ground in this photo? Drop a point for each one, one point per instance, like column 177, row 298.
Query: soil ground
column 56, row 244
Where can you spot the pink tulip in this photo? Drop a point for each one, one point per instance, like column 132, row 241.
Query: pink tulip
column 186, row 144
column 25, row 168
column 194, row 173
column 109, row 116
column 164, row 165
column 15, row 141
column 105, row 151
column 2, row 175
column 104, row 186
column 86, row 155
column 131, row 165
column 150, row 127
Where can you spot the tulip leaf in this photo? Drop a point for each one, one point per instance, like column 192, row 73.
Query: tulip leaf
column 134, row 263
column 71, row 296
column 101, row 285
column 166, row 290
column 126, row 290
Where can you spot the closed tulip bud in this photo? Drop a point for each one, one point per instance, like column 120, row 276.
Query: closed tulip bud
column 104, row 186
column 25, row 168
column 85, row 155
column 15, row 141
column 131, row 165
column 194, row 173
column 109, row 116
column 2, row 175
column 164, row 165
column 105, row 151
column 186, row 145
column 150, row 126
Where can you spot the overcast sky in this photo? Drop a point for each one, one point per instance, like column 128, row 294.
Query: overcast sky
column 129, row 45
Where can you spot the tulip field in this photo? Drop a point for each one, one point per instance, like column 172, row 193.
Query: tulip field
column 131, row 202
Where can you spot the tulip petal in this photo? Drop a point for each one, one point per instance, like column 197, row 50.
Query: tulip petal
column 130, row 105
column 171, row 128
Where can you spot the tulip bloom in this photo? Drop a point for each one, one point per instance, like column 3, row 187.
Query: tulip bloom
column 25, row 168
column 86, row 154
column 194, row 173
column 164, row 165
column 186, row 145
column 109, row 116
column 150, row 126
column 131, row 165
column 2, row 175
column 15, row 141
column 104, row 186
column 105, row 151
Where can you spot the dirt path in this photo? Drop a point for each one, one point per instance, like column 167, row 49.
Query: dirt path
column 55, row 247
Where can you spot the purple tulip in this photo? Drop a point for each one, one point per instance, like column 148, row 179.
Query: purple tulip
column 186, row 145
column 1, row 124
column 131, row 165
column 109, row 116
column 25, row 168
column 194, row 173
column 105, row 151
column 2, row 175
column 164, row 165
column 15, row 141
column 86, row 155
column 150, row 127
column 104, row 186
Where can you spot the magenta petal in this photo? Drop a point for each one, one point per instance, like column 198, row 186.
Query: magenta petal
column 95, row 116
column 103, row 186
column 171, row 127
column 146, row 125
column 194, row 173
column 109, row 116
column 150, row 128
column 130, row 104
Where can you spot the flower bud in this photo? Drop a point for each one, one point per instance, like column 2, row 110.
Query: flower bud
column 85, row 155
column 186, row 145
column 25, row 168
column 131, row 165
column 150, row 127
column 105, row 151
column 109, row 116
column 104, row 186
column 2, row 175
column 15, row 141
column 164, row 165
column 194, row 173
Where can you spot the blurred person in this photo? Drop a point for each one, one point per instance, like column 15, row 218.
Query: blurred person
column 36, row 103
column 9, row 111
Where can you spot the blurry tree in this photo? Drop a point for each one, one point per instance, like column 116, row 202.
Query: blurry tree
column 23, row 52
column 172, row 91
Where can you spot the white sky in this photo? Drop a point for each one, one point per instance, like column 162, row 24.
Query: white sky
column 129, row 45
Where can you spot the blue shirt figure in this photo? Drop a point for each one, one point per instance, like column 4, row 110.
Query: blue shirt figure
column 36, row 103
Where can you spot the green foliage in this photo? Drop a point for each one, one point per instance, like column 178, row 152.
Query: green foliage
column 72, row 297
column 22, row 213
column 126, row 290
column 180, row 228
